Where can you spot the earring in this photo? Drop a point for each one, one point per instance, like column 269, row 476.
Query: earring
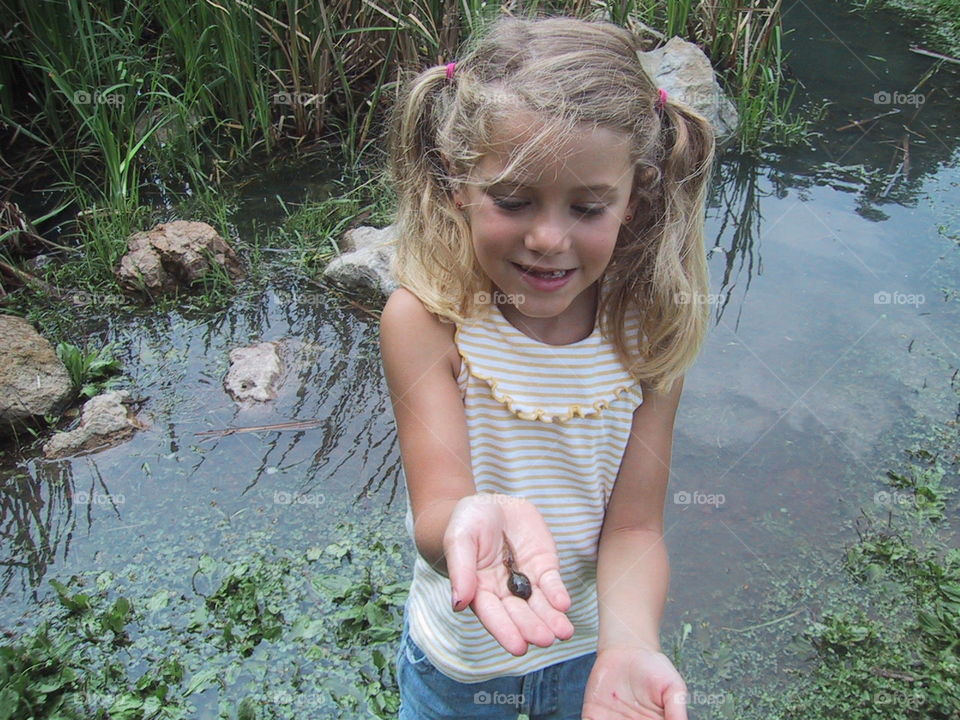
column 459, row 205
column 628, row 218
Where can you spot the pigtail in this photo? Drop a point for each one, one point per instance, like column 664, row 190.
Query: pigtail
column 429, row 229
column 663, row 269
column 681, row 280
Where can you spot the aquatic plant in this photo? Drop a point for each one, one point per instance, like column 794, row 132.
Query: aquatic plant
column 88, row 369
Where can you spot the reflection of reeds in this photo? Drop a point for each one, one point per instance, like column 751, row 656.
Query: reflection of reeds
column 736, row 193
column 181, row 87
column 35, row 516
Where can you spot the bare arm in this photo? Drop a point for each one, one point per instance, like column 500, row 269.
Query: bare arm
column 418, row 355
column 633, row 571
column 459, row 532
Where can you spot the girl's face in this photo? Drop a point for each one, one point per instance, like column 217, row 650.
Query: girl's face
column 544, row 240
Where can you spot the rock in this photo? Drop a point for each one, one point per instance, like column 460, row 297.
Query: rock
column 254, row 371
column 105, row 421
column 33, row 381
column 681, row 68
column 366, row 265
column 174, row 254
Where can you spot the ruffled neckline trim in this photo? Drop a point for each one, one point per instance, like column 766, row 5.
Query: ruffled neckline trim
column 542, row 382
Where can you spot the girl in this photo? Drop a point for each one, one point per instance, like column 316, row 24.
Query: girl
column 550, row 239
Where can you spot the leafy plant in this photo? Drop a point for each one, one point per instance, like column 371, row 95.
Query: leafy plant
column 59, row 671
column 88, row 368
column 368, row 612
column 244, row 608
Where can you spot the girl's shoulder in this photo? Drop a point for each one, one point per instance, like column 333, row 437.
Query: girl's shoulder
column 410, row 331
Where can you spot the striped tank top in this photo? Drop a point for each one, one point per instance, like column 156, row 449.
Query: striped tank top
column 548, row 423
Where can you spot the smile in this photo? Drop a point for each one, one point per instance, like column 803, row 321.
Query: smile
column 550, row 274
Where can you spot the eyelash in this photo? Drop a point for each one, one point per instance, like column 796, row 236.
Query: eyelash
column 587, row 212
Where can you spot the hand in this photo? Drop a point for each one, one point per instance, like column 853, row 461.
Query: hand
column 629, row 683
column 474, row 551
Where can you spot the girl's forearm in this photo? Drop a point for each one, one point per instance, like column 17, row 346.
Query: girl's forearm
column 633, row 573
column 429, row 527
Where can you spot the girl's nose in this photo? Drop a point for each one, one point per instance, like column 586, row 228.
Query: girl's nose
column 548, row 234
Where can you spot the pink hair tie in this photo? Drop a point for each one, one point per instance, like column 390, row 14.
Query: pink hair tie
column 450, row 67
column 662, row 100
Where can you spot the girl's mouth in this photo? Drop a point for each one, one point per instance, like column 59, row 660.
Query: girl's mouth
column 545, row 274
column 544, row 280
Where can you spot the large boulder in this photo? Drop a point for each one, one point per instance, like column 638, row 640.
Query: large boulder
column 681, row 68
column 33, row 381
column 174, row 254
column 106, row 420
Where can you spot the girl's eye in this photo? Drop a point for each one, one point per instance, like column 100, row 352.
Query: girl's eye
column 518, row 204
column 589, row 211
column 508, row 204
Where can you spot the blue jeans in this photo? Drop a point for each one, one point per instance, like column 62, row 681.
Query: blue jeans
column 552, row 693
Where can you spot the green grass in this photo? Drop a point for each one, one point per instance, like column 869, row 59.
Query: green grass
column 180, row 91
column 312, row 229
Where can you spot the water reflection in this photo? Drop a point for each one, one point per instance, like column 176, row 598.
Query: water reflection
column 177, row 363
column 36, row 516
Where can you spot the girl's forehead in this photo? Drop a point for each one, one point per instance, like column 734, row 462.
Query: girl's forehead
column 587, row 156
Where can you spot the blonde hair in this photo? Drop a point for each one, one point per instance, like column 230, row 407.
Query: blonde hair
column 568, row 72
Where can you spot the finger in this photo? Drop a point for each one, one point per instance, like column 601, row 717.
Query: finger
column 530, row 625
column 675, row 703
column 551, row 585
column 559, row 624
column 493, row 615
column 461, row 556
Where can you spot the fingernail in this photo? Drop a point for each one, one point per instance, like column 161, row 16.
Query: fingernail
column 454, row 599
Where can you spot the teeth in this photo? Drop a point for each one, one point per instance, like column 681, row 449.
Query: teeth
column 554, row 274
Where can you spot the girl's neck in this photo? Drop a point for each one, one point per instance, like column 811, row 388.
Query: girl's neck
column 576, row 323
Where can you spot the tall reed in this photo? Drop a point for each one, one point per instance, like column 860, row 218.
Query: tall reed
column 184, row 88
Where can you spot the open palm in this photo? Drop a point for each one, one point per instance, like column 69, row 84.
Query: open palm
column 474, row 550
column 629, row 683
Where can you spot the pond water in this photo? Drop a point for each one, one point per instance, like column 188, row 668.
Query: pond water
column 834, row 336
